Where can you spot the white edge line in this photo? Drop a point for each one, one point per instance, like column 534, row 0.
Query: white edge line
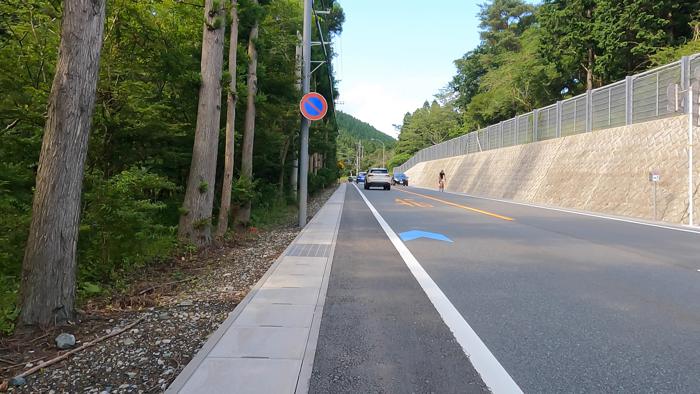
column 599, row 216
column 492, row 372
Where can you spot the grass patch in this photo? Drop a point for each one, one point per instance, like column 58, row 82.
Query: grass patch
column 274, row 213
column 9, row 310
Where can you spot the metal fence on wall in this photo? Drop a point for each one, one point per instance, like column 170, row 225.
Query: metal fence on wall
column 654, row 94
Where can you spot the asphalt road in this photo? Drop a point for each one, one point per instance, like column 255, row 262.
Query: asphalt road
column 379, row 332
column 566, row 303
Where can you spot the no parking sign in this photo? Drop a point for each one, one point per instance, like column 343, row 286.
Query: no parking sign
column 313, row 106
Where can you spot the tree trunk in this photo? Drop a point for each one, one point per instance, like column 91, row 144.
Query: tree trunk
column 591, row 57
column 589, row 70
column 195, row 220
column 283, row 161
column 294, row 176
column 225, row 210
column 49, row 266
column 243, row 216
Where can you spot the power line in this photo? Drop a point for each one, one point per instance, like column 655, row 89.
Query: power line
column 329, row 66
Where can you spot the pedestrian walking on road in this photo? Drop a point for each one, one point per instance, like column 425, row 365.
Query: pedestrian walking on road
column 442, row 180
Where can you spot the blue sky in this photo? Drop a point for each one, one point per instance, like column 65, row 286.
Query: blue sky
column 395, row 54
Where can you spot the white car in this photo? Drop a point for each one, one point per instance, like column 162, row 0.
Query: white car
column 378, row 177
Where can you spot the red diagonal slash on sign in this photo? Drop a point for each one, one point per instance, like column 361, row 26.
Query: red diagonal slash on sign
column 311, row 103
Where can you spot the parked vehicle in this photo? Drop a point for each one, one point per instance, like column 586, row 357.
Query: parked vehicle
column 361, row 177
column 400, row 179
column 378, row 177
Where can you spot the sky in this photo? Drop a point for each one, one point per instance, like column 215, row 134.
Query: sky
column 393, row 55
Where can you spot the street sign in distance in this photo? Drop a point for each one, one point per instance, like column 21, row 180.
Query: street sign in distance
column 313, row 106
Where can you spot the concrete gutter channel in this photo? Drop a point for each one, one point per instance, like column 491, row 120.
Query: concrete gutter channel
column 268, row 343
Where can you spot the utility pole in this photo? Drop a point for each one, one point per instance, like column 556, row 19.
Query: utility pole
column 360, row 154
column 294, row 181
column 305, row 123
column 383, row 149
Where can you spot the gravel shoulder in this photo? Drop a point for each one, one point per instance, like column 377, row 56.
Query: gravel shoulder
column 181, row 303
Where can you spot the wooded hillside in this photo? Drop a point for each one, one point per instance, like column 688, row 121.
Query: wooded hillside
column 353, row 130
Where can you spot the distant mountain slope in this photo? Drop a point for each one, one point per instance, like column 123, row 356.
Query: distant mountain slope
column 352, row 130
column 359, row 130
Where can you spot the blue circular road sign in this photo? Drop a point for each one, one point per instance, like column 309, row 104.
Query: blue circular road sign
column 313, row 106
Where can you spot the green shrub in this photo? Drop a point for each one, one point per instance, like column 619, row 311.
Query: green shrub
column 397, row 160
column 244, row 190
column 15, row 204
column 272, row 213
column 88, row 289
column 324, row 178
column 123, row 225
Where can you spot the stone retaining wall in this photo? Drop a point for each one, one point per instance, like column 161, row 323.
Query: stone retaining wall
column 603, row 171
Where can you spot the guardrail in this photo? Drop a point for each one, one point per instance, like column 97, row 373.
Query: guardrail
column 653, row 94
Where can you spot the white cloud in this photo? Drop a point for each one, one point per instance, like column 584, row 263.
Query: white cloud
column 376, row 105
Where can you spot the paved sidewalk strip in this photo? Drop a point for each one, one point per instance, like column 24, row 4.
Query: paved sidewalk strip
column 267, row 344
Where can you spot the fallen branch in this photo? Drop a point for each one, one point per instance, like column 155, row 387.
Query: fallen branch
column 22, row 363
column 142, row 292
column 76, row 350
column 11, row 125
column 39, row 338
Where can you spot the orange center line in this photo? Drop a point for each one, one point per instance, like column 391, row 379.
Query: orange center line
column 403, row 202
column 495, row 215
column 412, row 203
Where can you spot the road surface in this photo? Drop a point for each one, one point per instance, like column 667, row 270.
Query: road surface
column 560, row 302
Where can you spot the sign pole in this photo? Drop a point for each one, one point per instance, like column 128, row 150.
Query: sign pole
column 655, row 215
column 654, row 178
column 305, row 123
column 690, row 156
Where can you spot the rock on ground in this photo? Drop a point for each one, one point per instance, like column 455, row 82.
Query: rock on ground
column 65, row 341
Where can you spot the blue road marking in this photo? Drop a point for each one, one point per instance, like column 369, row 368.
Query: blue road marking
column 415, row 234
